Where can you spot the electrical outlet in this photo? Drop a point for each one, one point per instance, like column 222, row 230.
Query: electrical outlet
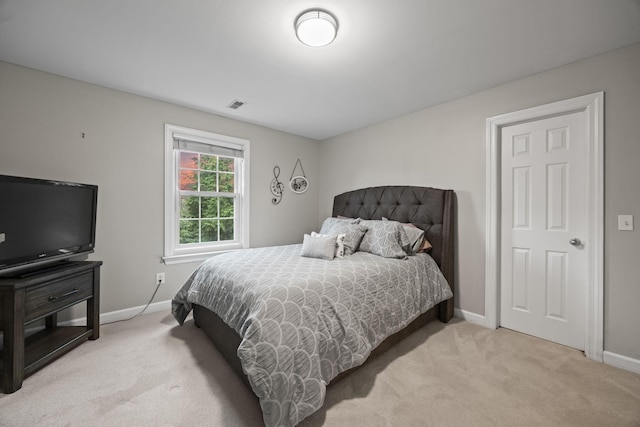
column 159, row 278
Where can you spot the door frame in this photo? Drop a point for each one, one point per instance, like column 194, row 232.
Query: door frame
column 593, row 105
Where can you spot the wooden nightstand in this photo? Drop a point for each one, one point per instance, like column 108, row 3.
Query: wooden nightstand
column 41, row 295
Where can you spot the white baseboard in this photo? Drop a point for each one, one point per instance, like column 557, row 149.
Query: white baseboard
column 622, row 362
column 127, row 313
column 478, row 319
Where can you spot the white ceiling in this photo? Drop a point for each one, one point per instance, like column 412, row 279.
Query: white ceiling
column 389, row 58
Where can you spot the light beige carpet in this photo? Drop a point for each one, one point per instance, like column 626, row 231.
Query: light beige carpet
column 150, row 371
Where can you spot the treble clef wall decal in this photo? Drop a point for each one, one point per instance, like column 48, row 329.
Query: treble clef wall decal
column 277, row 188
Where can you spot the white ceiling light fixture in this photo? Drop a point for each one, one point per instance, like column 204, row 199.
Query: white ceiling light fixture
column 316, row 27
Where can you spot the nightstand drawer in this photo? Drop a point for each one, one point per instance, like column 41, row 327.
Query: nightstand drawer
column 48, row 299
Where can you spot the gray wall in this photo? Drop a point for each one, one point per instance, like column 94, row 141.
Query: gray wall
column 42, row 118
column 444, row 146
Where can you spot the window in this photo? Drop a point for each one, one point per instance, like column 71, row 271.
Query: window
column 206, row 194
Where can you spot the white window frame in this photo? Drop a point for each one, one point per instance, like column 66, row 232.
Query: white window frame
column 174, row 252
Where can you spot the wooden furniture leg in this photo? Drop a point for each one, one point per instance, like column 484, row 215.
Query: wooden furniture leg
column 13, row 351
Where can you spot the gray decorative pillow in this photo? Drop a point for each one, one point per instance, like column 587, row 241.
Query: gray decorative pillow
column 353, row 232
column 323, row 247
column 385, row 238
column 416, row 236
column 331, row 222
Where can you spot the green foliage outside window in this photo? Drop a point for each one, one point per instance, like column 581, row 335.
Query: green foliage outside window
column 204, row 217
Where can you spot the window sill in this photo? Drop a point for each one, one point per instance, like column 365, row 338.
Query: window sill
column 182, row 259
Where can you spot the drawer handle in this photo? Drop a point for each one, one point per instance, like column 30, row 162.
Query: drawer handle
column 71, row 292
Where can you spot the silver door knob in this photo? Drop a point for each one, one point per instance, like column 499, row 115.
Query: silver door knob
column 575, row 241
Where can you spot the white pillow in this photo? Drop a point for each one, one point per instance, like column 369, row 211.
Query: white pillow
column 323, row 247
column 339, row 243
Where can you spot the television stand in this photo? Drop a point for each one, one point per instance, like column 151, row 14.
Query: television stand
column 24, row 300
column 25, row 274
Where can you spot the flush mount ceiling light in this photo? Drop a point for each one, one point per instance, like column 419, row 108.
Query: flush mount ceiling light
column 316, row 27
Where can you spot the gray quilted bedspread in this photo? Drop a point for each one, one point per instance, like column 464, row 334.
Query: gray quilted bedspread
column 305, row 320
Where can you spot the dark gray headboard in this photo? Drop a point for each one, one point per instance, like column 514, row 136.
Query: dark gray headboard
column 431, row 209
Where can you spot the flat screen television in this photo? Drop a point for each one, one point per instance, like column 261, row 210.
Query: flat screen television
column 44, row 221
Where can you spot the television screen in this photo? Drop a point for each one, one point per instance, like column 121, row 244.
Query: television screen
column 42, row 221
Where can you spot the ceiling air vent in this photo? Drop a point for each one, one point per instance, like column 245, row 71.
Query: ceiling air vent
column 235, row 104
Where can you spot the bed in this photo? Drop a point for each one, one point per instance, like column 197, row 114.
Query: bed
column 289, row 324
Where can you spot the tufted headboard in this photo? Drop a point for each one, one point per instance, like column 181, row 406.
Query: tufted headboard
column 431, row 209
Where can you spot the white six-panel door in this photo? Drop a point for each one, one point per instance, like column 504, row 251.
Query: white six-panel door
column 543, row 261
